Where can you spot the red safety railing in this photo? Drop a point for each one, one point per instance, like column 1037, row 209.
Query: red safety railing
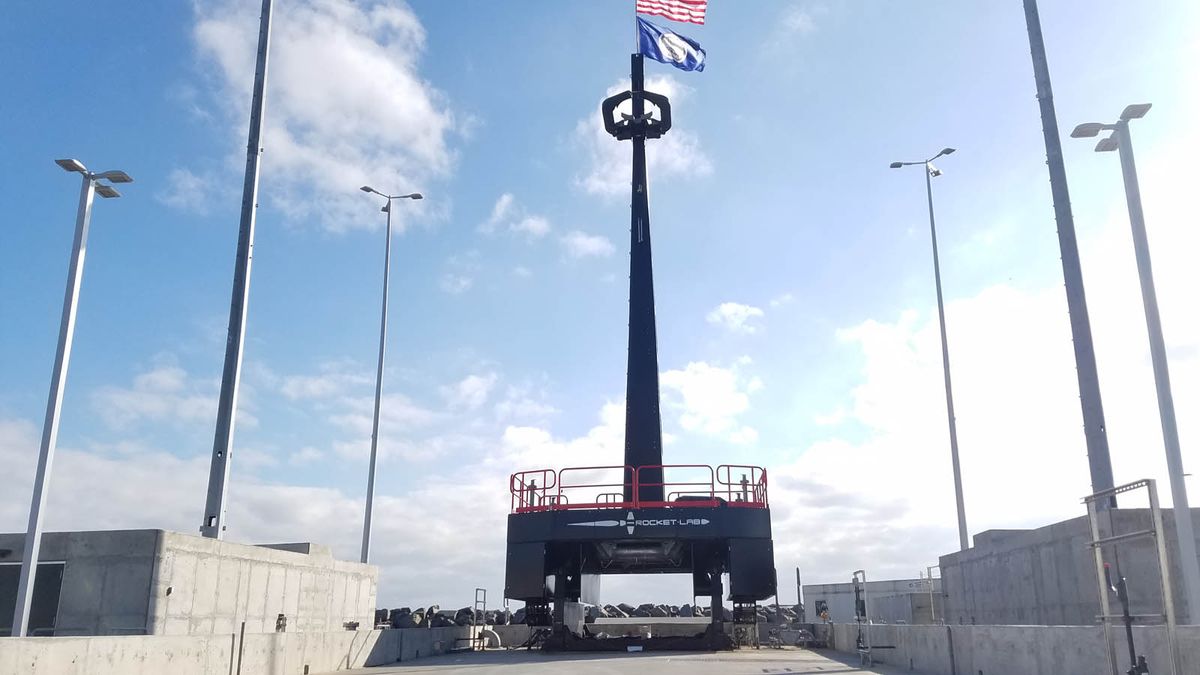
column 743, row 485
column 530, row 489
column 604, row 487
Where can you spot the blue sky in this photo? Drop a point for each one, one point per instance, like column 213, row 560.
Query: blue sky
column 792, row 267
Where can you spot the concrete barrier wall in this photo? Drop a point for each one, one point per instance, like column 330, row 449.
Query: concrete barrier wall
column 258, row 653
column 1015, row 650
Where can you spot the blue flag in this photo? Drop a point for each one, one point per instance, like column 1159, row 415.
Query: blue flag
column 668, row 46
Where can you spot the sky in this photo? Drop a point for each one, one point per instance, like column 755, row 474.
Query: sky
column 796, row 313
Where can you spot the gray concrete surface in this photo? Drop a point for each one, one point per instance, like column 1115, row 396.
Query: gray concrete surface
column 889, row 601
column 1047, row 576
column 742, row 662
column 252, row 654
column 129, row 582
column 1013, row 650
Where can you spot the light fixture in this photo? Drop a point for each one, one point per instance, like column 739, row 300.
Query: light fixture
column 71, row 165
column 1135, row 111
column 415, row 195
column 107, row 191
column 115, row 176
column 1107, row 144
column 1088, row 130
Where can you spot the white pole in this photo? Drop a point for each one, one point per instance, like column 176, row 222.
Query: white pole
column 1162, row 379
column 66, row 334
column 213, row 525
column 963, row 539
column 387, row 262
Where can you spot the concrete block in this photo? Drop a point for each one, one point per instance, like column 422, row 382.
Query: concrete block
column 229, row 571
column 181, row 580
column 204, row 600
column 255, row 608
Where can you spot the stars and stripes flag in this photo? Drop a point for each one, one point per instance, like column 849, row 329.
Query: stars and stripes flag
column 690, row 11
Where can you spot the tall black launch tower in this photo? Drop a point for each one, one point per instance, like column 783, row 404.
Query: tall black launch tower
column 569, row 526
column 643, row 418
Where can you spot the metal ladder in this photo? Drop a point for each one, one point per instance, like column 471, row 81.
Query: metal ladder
column 479, row 619
column 1095, row 504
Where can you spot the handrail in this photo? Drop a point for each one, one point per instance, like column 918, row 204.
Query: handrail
column 734, row 485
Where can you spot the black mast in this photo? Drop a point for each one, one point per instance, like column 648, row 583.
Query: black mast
column 643, row 420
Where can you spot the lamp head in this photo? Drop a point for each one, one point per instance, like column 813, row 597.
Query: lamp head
column 1135, row 111
column 946, row 151
column 1087, row 130
column 115, row 177
column 1107, row 144
column 895, row 165
column 71, row 165
column 107, row 191
column 367, row 188
column 416, row 195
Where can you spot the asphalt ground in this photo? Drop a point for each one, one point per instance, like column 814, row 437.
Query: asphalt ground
column 789, row 660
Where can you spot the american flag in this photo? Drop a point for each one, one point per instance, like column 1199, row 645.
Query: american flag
column 691, row 11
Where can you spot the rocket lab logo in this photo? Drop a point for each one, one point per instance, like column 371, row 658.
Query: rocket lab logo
column 630, row 522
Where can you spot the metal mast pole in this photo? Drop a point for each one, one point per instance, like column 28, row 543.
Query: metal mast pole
column 387, row 263
column 1099, row 463
column 66, row 335
column 213, row 525
column 963, row 540
column 1162, row 378
column 643, row 421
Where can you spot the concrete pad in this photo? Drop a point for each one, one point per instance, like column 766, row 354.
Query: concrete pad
column 741, row 662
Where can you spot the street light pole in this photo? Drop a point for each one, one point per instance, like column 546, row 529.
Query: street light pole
column 58, row 381
column 1121, row 141
column 387, row 264
column 930, row 172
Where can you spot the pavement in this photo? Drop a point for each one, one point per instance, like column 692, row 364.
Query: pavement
column 789, row 660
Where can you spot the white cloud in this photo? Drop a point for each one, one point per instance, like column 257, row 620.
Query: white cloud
column 501, row 212
column 710, row 399
column 522, row 271
column 164, row 393
column 334, row 380
column 797, row 20
column 346, row 103
column 471, row 392
column 676, row 154
column 581, row 245
column 781, row 300
column 455, row 284
column 533, row 227
column 508, row 215
column 305, row 456
column 524, row 403
column 186, row 191
column 736, row 317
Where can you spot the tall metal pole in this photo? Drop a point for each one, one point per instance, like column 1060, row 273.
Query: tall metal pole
column 58, row 380
column 387, row 263
column 800, row 598
column 932, row 606
column 1162, row 379
column 213, row 525
column 1099, row 463
column 643, row 421
column 963, row 540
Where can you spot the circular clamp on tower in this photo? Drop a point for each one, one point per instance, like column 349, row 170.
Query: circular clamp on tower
column 630, row 126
